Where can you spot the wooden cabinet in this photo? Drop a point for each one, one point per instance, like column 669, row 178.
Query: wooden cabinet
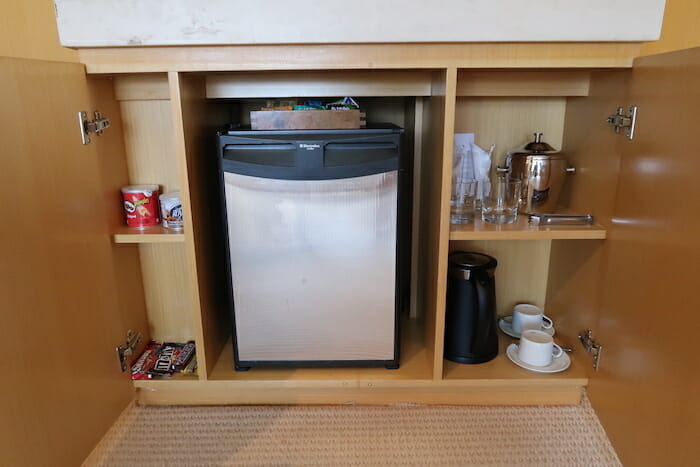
column 629, row 278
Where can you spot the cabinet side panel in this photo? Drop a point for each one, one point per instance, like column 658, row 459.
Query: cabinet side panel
column 436, row 169
column 648, row 377
column 576, row 275
column 195, row 126
column 114, row 174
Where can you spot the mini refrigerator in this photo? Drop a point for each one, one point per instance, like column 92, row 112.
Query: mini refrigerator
column 318, row 230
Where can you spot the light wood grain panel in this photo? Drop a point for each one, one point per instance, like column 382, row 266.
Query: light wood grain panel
column 522, row 83
column 167, row 291
column 576, row 275
column 502, row 369
column 154, row 234
column 60, row 309
column 113, row 175
column 28, row 30
column 150, row 150
column 649, row 317
column 151, row 158
column 318, row 84
column 436, row 168
column 359, row 56
column 523, row 230
column 194, row 126
column 521, row 274
column 228, row 392
column 141, row 87
column 680, row 29
column 510, row 122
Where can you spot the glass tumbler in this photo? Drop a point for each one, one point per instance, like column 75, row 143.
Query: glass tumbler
column 500, row 204
column 463, row 202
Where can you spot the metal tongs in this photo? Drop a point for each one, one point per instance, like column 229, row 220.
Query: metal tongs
column 560, row 219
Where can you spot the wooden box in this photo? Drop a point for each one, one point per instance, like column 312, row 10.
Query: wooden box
column 307, row 119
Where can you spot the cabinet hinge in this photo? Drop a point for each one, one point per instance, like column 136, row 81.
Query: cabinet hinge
column 96, row 126
column 126, row 350
column 628, row 122
column 591, row 346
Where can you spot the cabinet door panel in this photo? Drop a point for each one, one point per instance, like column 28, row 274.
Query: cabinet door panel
column 646, row 392
column 59, row 303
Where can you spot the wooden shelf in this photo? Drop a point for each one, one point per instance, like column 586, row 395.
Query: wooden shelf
column 155, row 234
column 522, row 230
column 503, row 370
column 415, row 365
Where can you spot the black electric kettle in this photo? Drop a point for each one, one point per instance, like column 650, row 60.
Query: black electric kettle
column 470, row 320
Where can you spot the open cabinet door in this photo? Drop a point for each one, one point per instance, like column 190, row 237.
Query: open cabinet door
column 59, row 298
column 646, row 391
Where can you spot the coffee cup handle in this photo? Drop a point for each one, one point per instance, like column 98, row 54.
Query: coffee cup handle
column 556, row 351
column 547, row 322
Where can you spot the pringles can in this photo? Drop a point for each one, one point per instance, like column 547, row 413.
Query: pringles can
column 141, row 205
column 171, row 210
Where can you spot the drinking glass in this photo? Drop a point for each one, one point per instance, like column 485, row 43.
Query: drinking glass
column 500, row 204
column 463, row 202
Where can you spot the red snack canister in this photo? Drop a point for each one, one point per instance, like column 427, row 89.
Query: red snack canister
column 141, row 205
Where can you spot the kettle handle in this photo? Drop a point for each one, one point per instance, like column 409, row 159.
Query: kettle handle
column 485, row 301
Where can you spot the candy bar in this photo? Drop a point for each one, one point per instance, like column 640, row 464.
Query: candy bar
column 183, row 357
column 141, row 369
column 167, row 354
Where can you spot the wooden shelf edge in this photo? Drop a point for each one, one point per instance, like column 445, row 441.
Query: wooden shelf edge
column 259, row 392
column 523, row 231
column 155, row 234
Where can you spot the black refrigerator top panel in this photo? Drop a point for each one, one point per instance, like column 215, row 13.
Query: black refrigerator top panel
column 311, row 154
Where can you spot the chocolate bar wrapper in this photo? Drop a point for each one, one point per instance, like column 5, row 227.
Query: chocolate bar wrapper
column 166, row 355
column 183, row 358
column 141, row 369
column 191, row 368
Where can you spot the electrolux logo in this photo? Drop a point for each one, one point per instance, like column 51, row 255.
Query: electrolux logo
column 309, row 147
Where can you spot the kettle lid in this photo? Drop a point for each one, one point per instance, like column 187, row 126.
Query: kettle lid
column 471, row 261
column 536, row 146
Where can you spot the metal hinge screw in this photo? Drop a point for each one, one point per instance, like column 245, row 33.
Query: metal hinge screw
column 96, row 126
column 591, row 346
column 628, row 122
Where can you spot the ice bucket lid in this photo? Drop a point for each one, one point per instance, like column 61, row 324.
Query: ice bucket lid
column 535, row 147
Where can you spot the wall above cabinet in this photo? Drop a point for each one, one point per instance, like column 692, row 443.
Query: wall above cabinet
column 108, row 23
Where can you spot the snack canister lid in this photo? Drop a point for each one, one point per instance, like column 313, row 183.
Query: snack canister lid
column 171, row 195
column 139, row 188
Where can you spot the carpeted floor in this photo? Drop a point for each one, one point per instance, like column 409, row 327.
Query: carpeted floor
column 355, row 435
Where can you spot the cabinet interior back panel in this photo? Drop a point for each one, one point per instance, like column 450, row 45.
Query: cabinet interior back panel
column 148, row 137
column 150, row 154
column 521, row 274
column 167, row 293
column 509, row 122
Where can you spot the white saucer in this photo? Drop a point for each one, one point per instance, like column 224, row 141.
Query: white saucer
column 505, row 324
column 558, row 364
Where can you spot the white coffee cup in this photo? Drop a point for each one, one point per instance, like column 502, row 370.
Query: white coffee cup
column 527, row 316
column 538, row 348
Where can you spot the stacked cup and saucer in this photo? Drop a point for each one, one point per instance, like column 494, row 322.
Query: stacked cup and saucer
column 536, row 350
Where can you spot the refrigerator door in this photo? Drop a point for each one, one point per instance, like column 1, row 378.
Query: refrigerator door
column 313, row 265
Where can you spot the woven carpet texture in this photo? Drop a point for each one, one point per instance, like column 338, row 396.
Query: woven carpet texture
column 356, row 435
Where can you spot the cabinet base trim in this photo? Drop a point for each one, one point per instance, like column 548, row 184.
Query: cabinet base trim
column 222, row 392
